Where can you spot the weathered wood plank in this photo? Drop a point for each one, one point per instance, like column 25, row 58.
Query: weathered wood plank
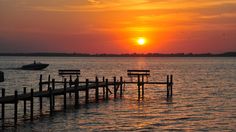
column 60, row 91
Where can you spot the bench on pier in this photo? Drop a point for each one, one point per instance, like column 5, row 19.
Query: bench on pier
column 138, row 73
column 68, row 73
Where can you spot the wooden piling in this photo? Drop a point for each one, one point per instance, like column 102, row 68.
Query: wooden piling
column 87, row 92
column 115, row 88
column 167, row 86
column 142, row 86
column 77, row 91
column 70, row 84
column 53, row 97
column 15, row 107
column 24, row 91
column 49, row 81
column 97, row 90
column 3, row 108
column 103, row 88
column 31, row 104
column 138, row 86
column 107, row 89
column 50, row 98
column 65, row 93
column 171, row 85
column 40, row 90
column 121, row 87
column 1, row 76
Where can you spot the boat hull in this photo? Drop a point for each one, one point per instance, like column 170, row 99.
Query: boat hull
column 34, row 66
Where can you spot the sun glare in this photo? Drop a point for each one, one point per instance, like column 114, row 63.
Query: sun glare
column 141, row 41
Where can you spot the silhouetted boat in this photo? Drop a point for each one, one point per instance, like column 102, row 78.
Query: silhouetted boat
column 34, row 66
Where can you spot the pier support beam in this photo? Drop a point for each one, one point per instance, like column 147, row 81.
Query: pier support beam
column 97, row 90
column 1, row 76
column 77, row 91
column 142, row 86
column 87, row 92
column 32, row 104
column 50, row 98
column 3, row 108
column 103, row 88
column 121, row 86
column 171, row 85
column 70, row 84
column 40, row 90
column 167, row 86
column 115, row 88
column 138, row 86
column 107, row 89
column 15, row 108
column 65, row 93
column 24, row 89
column 49, row 82
column 53, row 97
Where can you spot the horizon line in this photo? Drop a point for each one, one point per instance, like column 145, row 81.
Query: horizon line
column 227, row 54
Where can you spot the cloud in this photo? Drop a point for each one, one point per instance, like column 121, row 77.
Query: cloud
column 94, row 1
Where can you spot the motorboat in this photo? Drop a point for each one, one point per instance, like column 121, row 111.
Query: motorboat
column 34, row 66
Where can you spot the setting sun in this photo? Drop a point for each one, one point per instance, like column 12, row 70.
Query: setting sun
column 141, row 41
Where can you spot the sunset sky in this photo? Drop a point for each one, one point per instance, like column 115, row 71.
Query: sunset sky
column 113, row 26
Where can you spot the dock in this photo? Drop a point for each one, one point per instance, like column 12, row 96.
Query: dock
column 71, row 83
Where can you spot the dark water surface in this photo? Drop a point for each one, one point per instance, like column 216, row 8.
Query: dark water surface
column 204, row 95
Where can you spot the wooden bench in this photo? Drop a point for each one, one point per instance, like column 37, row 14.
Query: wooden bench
column 131, row 73
column 69, row 72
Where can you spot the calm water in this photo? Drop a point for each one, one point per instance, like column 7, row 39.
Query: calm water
column 204, row 95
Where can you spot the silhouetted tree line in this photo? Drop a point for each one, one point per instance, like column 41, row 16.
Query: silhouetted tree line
column 226, row 54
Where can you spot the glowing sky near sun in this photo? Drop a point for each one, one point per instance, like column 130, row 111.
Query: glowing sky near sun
column 113, row 26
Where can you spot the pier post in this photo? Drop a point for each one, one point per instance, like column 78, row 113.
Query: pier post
column 103, row 88
column 70, row 84
column 115, row 88
column 24, row 102
column 50, row 98
column 3, row 108
column 32, row 104
column 138, row 86
column 49, row 81
column 97, row 90
column 121, row 86
column 106, row 89
column 15, row 111
column 87, row 92
column 64, row 93
column 53, row 97
column 76, row 91
column 167, row 86
column 40, row 90
column 1, row 76
column 171, row 84
column 142, row 86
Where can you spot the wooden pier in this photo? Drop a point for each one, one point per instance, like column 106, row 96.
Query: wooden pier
column 48, row 89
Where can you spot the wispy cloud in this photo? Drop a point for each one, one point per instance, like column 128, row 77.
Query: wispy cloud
column 126, row 5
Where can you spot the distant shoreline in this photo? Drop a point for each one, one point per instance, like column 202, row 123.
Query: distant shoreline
column 226, row 54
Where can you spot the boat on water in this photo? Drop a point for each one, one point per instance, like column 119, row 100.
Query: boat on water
column 34, row 66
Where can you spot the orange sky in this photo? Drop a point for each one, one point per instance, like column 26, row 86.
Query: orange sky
column 112, row 26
